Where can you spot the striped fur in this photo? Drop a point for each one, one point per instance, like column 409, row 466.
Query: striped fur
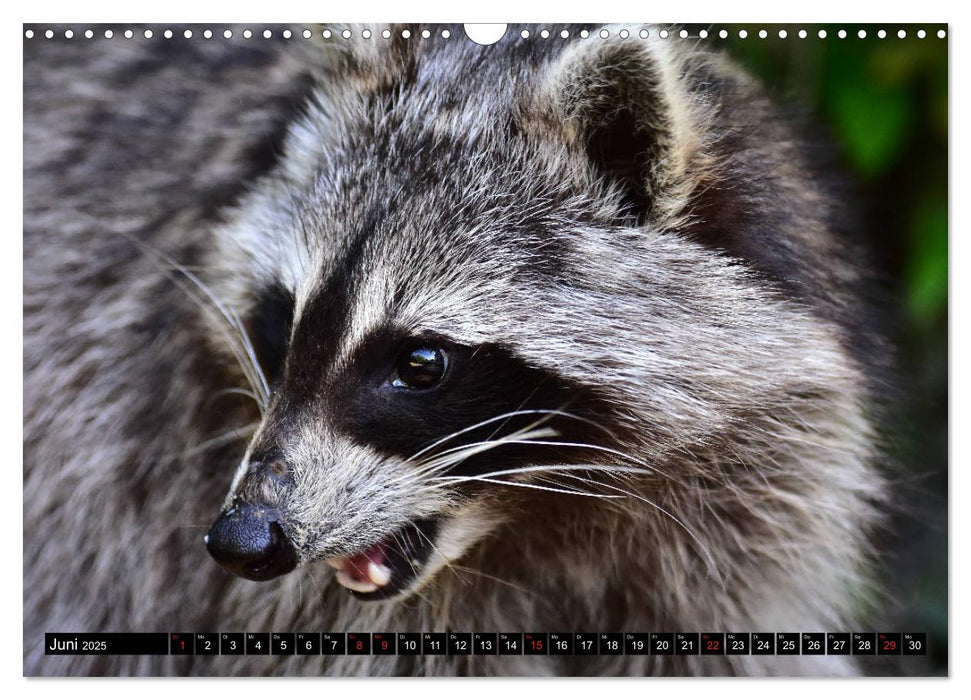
column 622, row 233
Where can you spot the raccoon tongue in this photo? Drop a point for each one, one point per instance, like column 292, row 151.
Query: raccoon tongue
column 364, row 572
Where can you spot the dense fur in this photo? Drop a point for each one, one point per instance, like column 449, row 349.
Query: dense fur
column 623, row 231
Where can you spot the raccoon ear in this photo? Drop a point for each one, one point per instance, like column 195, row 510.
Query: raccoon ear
column 624, row 104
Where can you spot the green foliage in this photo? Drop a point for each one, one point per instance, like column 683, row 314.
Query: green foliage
column 885, row 102
column 872, row 122
column 925, row 272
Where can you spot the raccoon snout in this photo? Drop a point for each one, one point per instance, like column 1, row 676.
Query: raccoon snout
column 247, row 541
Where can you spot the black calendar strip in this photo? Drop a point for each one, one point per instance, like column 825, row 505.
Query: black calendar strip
column 489, row 643
column 100, row 644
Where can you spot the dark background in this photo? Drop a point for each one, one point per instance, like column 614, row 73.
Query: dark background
column 883, row 103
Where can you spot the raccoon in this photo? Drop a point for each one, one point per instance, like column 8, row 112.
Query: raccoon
column 410, row 334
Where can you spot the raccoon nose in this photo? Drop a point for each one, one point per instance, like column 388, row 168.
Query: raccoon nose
column 248, row 541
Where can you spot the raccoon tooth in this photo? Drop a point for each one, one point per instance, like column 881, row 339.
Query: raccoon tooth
column 336, row 562
column 347, row 581
column 379, row 574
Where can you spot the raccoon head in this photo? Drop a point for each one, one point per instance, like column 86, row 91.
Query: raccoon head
column 475, row 283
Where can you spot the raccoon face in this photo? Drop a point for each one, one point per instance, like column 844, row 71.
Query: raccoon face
column 468, row 297
column 397, row 393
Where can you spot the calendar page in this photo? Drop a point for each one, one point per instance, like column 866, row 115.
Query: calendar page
column 518, row 350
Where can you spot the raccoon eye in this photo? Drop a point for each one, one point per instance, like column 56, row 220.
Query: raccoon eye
column 420, row 367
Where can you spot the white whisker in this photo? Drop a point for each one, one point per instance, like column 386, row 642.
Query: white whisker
column 451, row 457
column 614, row 470
column 236, row 335
column 512, row 414
column 484, row 575
column 538, row 469
column 237, row 390
column 225, row 438
column 712, row 564
column 526, row 485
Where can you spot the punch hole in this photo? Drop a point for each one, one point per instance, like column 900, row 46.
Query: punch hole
column 841, row 33
column 247, row 34
column 286, row 34
column 545, row 34
column 49, row 34
column 861, row 34
column 108, row 34
column 68, row 34
column 187, row 33
column 921, row 33
column 29, row 34
column 783, row 34
column 822, row 34
column 564, row 34
column 228, row 34
column 326, row 34
column 683, row 34
column 743, row 34
column 307, row 33
column 346, row 33
column 723, row 34
column 89, row 34
column 167, row 33
column 763, row 34
column 941, row 34
column 405, row 33
column 446, row 34
column 267, row 34
column 129, row 33
column 485, row 34
column 882, row 34
column 803, row 33
column 624, row 33
column 366, row 34
column 663, row 34
column 425, row 34
column 584, row 33
column 703, row 34
column 902, row 34
column 524, row 34
column 643, row 34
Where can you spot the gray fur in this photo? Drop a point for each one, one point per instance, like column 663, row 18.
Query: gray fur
column 743, row 401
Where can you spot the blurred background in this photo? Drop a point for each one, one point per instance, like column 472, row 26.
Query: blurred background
column 884, row 105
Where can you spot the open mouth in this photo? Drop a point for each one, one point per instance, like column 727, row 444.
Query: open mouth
column 389, row 566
